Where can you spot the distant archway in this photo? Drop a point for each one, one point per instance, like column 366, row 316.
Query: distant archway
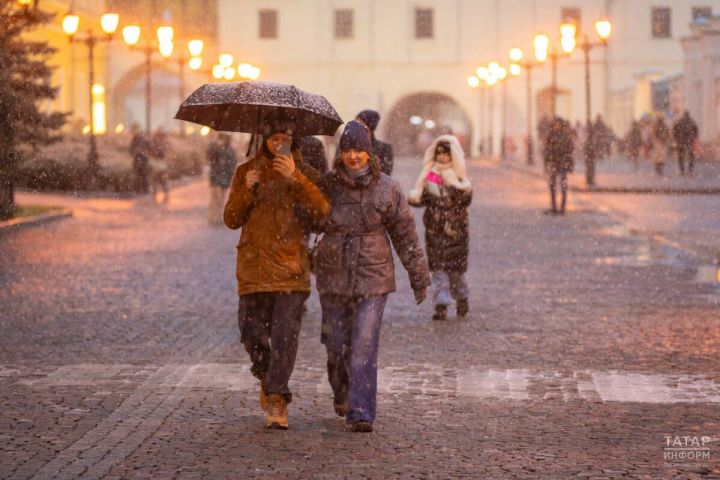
column 418, row 118
column 128, row 97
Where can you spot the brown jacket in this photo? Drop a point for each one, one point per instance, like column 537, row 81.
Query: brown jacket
column 368, row 215
column 272, row 253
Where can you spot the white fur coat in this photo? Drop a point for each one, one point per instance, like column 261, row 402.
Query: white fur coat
column 453, row 174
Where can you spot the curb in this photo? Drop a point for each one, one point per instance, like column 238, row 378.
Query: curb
column 35, row 220
column 625, row 190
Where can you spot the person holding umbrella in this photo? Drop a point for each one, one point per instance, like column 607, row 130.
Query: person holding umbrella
column 355, row 270
column 269, row 197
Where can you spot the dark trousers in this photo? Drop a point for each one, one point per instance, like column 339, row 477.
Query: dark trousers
column 351, row 334
column 686, row 150
column 269, row 329
column 562, row 175
column 141, row 166
column 589, row 170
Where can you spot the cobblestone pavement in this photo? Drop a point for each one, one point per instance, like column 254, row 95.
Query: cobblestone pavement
column 590, row 351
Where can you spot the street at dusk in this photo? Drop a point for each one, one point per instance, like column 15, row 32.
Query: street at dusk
column 586, row 345
column 290, row 239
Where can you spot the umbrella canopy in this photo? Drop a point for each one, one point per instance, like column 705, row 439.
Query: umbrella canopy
column 242, row 106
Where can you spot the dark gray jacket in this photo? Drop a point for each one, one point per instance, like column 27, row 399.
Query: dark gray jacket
column 354, row 257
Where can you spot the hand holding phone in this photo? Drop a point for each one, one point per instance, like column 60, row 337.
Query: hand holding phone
column 283, row 149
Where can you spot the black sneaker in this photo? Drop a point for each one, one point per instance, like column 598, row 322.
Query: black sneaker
column 463, row 307
column 361, row 426
column 440, row 313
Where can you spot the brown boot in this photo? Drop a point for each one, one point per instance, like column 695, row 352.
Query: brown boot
column 277, row 412
column 263, row 397
column 340, row 408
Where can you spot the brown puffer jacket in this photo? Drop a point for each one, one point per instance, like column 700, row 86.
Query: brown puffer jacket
column 368, row 213
column 272, row 253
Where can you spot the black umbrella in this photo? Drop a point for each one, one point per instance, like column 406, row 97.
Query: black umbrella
column 242, row 107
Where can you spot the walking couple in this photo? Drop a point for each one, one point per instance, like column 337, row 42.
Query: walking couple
column 361, row 212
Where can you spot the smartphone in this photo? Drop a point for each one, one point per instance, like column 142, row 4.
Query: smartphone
column 284, row 149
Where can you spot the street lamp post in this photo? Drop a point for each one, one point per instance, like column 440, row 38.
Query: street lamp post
column 516, row 57
column 603, row 28
column 474, row 82
column 109, row 23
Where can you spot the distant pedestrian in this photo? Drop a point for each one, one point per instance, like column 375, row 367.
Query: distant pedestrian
column 140, row 150
column 595, row 148
column 313, row 152
column 685, row 134
column 634, row 143
column 269, row 196
column 160, row 149
column 559, row 151
column 355, row 271
column 444, row 189
column 223, row 160
column 660, row 143
column 382, row 150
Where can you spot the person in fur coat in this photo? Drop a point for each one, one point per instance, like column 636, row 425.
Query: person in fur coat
column 444, row 189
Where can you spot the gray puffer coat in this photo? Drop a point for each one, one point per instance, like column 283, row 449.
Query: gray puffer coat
column 354, row 257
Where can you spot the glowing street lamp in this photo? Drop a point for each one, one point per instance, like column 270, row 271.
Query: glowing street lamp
column 131, row 35
column 516, row 54
column 541, row 43
column 218, row 72
column 515, row 69
column 109, row 23
column 195, row 63
column 70, row 24
column 229, row 73
column 165, row 34
column 195, row 47
column 166, row 49
column 226, row 60
column 473, row 81
column 604, row 29
column 96, row 92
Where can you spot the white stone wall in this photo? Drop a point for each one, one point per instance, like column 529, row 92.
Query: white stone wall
column 383, row 62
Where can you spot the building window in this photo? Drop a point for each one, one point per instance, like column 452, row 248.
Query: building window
column 268, row 23
column 571, row 15
column 423, row 23
column 701, row 12
column 343, row 23
column 661, row 21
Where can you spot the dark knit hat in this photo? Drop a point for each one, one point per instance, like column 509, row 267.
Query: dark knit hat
column 371, row 118
column 356, row 136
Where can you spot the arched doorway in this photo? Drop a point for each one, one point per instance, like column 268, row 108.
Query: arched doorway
column 418, row 118
column 128, row 97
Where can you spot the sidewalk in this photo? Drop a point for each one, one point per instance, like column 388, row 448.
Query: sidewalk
column 121, row 357
column 618, row 175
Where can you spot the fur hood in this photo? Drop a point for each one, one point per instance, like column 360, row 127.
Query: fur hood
column 453, row 175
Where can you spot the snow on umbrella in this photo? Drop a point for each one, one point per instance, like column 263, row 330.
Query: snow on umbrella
column 242, row 106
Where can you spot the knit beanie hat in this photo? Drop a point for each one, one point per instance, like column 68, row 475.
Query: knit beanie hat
column 371, row 118
column 356, row 136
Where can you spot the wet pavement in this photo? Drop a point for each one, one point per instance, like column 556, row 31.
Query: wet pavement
column 591, row 350
column 617, row 173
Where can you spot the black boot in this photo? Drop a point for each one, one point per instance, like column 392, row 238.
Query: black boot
column 463, row 307
column 440, row 313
